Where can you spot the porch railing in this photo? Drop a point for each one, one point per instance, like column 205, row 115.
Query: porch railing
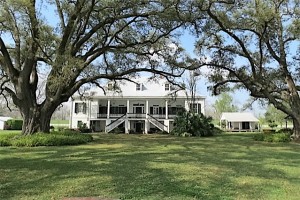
column 136, row 115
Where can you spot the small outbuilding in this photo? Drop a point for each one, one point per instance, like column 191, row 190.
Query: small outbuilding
column 239, row 121
column 2, row 122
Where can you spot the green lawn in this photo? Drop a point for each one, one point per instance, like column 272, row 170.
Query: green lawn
column 57, row 121
column 231, row 166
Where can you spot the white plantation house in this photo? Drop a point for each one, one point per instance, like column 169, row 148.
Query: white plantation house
column 141, row 107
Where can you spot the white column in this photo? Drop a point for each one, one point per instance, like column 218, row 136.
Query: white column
column 128, row 106
column 71, row 114
column 166, row 127
column 166, row 109
column 126, row 126
column 147, row 108
column 129, row 128
column 186, row 105
column 89, row 114
column 108, row 108
column 239, row 125
column 146, row 126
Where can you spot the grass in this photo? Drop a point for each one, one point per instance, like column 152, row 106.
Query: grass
column 58, row 121
column 229, row 166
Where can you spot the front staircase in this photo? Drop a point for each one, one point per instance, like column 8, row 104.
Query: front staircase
column 115, row 123
column 157, row 123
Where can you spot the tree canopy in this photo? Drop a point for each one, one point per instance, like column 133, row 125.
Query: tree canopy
column 224, row 104
column 84, row 42
column 253, row 45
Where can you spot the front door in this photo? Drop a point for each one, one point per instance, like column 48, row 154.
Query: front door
column 139, row 109
column 139, row 127
column 245, row 125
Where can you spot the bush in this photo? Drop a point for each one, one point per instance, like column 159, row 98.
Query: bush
column 14, row 124
column 285, row 130
column 6, row 138
column 194, row 124
column 43, row 139
column 83, row 128
column 276, row 137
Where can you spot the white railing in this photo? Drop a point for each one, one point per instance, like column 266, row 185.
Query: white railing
column 115, row 123
column 136, row 115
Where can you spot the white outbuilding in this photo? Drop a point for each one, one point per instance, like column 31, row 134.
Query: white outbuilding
column 2, row 122
column 239, row 121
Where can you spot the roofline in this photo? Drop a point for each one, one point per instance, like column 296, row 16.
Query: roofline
column 138, row 97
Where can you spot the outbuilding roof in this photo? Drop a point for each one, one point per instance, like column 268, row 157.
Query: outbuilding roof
column 239, row 117
column 4, row 118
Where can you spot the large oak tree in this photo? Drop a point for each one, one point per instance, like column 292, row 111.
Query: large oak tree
column 73, row 43
column 253, row 44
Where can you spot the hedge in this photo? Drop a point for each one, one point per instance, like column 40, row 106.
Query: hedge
column 14, row 124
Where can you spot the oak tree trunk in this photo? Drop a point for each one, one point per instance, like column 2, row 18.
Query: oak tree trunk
column 296, row 129
column 36, row 118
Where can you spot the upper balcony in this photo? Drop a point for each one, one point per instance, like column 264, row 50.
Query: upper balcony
column 131, row 116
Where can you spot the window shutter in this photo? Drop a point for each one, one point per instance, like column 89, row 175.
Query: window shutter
column 84, row 108
column 76, row 107
column 151, row 110
column 199, row 108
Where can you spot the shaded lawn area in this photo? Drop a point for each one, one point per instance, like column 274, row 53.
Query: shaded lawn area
column 229, row 166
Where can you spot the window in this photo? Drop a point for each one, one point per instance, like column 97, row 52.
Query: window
column 80, row 108
column 195, row 107
column 139, row 86
column 118, row 110
column 110, row 86
column 167, row 87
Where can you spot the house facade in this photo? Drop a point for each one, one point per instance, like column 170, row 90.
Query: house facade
column 142, row 106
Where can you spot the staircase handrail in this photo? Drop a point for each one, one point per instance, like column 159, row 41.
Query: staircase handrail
column 116, row 120
column 156, row 120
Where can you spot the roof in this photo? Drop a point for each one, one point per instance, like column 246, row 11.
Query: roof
column 239, row 117
column 149, row 88
column 5, row 118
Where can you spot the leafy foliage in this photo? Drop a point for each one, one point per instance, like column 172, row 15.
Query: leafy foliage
column 92, row 41
column 224, row 104
column 41, row 139
column 13, row 124
column 190, row 124
column 276, row 137
column 274, row 116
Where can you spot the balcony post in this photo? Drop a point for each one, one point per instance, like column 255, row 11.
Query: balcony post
column 147, row 108
column 166, row 109
column 128, row 106
column 108, row 108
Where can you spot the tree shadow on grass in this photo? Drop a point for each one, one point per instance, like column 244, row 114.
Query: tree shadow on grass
column 143, row 168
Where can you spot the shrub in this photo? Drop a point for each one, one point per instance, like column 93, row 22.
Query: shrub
column 51, row 139
column 285, row 130
column 272, row 124
column 217, row 131
column 5, row 138
column 83, row 128
column 276, row 137
column 195, row 124
column 14, row 124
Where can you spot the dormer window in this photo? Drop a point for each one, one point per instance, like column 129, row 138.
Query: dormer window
column 139, row 86
column 167, row 87
column 110, row 86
